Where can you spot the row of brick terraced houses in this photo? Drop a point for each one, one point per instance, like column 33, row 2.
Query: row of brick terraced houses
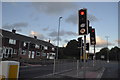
column 14, row 45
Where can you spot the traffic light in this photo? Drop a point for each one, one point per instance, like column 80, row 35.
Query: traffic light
column 82, row 23
column 87, row 46
column 92, row 37
column 89, row 29
column 80, row 41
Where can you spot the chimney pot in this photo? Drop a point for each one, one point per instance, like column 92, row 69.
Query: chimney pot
column 13, row 30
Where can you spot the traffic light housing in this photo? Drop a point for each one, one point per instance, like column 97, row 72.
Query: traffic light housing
column 92, row 37
column 87, row 46
column 80, row 41
column 82, row 23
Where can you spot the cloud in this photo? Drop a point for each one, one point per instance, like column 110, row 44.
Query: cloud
column 16, row 26
column 74, row 18
column 66, row 41
column 45, row 29
column 62, row 33
column 39, row 36
column 53, row 7
column 101, row 42
column 118, row 41
column 92, row 18
column 56, row 39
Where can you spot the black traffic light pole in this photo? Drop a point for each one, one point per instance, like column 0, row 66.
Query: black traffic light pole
column 84, row 54
column 94, row 56
column 83, row 30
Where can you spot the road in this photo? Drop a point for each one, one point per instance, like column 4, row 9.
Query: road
column 35, row 71
column 111, row 70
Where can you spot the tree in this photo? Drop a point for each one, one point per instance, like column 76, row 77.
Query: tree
column 104, row 52
column 72, row 50
column 115, row 53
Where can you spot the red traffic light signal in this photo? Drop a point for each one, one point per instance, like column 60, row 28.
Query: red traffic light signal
column 93, row 30
column 82, row 12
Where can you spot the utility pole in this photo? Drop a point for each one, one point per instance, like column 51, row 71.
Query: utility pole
column 107, row 47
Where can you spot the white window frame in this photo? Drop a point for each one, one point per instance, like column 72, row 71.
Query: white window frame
column 14, row 51
column 24, row 44
column 45, row 48
column 53, row 49
column 12, row 41
column 7, row 48
column 37, row 46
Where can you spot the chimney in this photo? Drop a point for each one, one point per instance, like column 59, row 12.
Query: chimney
column 35, row 37
column 13, row 30
column 49, row 41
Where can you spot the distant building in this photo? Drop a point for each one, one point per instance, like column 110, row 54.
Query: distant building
column 14, row 45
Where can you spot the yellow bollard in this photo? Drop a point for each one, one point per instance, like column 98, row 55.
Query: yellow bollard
column 10, row 70
column 2, row 77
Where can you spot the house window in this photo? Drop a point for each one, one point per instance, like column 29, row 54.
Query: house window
column 10, row 50
column 45, row 47
column 42, row 47
column 37, row 46
column 11, row 41
column 43, row 54
column 23, row 52
column 53, row 49
column 37, row 53
column 24, row 44
column 6, row 51
column 14, row 51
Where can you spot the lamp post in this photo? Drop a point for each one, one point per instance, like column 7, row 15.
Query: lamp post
column 58, row 37
column 107, row 47
column 1, row 55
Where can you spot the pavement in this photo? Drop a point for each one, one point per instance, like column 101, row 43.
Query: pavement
column 83, row 72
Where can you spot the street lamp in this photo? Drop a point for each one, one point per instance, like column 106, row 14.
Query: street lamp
column 58, row 37
column 107, row 47
column 1, row 55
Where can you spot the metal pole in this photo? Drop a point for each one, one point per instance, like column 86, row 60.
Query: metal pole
column 107, row 51
column 19, row 51
column 1, row 54
column 84, row 54
column 77, row 68
column 81, row 49
column 58, row 38
column 94, row 57
column 54, row 67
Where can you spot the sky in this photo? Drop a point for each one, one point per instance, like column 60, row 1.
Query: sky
column 42, row 18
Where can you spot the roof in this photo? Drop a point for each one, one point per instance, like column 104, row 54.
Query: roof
column 24, row 38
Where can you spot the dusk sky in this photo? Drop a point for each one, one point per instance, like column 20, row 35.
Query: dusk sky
column 41, row 19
